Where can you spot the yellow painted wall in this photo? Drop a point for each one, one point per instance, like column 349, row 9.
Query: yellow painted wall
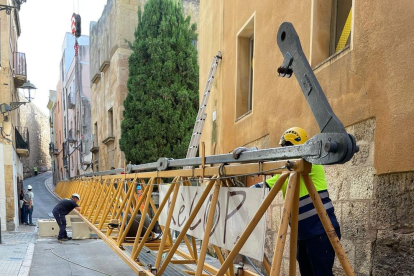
column 371, row 79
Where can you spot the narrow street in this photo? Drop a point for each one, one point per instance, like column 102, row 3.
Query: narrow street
column 43, row 201
column 77, row 257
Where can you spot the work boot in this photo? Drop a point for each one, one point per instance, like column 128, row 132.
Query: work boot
column 63, row 239
column 32, row 224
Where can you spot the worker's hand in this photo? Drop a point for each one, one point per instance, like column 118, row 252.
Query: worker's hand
column 240, row 150
column 30, row 207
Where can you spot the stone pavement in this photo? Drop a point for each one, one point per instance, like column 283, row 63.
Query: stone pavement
column 16, row 251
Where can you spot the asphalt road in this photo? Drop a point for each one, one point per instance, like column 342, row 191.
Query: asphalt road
column 88, row 257
column 43, row 201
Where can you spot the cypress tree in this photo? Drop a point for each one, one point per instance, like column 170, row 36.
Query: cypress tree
column 162, row 101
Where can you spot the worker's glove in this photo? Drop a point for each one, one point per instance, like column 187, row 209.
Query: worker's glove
column 240, row 150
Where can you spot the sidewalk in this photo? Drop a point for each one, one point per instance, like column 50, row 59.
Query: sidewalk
column 16, row 251
column 23, row 253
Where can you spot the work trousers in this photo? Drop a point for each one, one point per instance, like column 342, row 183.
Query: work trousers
column 25, row 212
column 30, row 213
column 316, row 255
column 61, row 221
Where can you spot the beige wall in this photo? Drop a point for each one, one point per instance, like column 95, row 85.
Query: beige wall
column 10, row 163
column 369, row 87
column 359, row 83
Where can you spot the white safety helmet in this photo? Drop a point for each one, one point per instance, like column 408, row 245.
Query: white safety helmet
column 76, row 195
column 29, row 187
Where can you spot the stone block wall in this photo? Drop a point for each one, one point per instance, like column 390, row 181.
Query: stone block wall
column 375, row 213
column 108, row 43
column 39, row 138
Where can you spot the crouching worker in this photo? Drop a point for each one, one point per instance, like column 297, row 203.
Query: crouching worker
column 64, row 207
column 315, row 253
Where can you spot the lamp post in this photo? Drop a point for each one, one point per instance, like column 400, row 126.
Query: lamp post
column 8, row 9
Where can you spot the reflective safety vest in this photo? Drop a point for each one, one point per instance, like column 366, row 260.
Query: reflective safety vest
column 309, row 222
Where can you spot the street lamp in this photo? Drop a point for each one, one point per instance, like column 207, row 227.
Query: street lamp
column 9, row 8
column 5, row 108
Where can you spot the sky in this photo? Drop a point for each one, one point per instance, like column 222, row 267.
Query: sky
column 43, row 26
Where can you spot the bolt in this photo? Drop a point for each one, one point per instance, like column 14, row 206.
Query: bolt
column 331, row 147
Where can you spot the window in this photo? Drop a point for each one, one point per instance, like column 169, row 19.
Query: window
column 331, row 28
column 96, row 139
column 341, row 25
column 245, row 69
column 110, row 122
column 64, row 96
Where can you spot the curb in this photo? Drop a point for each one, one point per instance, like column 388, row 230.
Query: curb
column 27, row 263
column 50, row 191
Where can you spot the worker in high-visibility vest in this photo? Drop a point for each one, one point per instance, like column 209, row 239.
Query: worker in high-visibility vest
column 315, row 253
column 35, row 171
column 139, row 195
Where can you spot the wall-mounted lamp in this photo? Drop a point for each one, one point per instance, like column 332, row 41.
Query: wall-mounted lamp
column 8, row 9
column 5, row 108
column 5, row 111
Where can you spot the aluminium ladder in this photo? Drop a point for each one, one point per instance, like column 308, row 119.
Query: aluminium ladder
column 201, row 116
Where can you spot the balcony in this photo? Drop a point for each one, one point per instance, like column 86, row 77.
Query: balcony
column 65, row 154
column 108, row 140
column 52, row 150
column 71, row 100
column 19, row 68
column 95, row 144
column 96, row 78
column 71, row 136
column 104, row 66
column 22, row 141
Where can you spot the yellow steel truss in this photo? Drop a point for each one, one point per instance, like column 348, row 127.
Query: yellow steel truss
column 111, row 198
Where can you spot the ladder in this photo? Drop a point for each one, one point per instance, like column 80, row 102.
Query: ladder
column 201, row 116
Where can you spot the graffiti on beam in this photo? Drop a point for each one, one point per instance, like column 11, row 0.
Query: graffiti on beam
column 234, row 210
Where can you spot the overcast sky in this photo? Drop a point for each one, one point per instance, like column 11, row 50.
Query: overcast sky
column 43, row 25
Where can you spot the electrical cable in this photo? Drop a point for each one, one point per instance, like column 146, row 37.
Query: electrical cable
column 66, row 259
column 254, row 267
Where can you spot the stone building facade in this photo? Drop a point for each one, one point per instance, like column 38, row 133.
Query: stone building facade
column 14, row 144
column 373, row 194
column 52, row 152
column 37, row 123
column 109, row 75
column 72, row 111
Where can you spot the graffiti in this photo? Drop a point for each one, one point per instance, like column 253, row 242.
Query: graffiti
column 228, row 223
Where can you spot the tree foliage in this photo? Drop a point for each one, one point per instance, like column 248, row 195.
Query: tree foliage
column 162, row 101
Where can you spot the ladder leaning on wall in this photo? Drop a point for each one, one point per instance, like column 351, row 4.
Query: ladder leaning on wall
column 201, row 116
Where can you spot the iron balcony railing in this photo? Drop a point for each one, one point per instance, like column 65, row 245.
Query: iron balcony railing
column 19, row 64
column 52, row 149
column 71, row 136
column 22, row 138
